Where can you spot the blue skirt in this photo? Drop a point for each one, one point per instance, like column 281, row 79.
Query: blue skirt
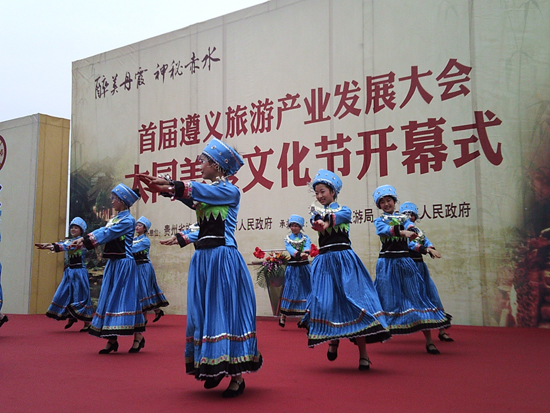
column 221, row 315
column 404, row 300
column 297, row 289
column 431, row 289
column 152, row 295
column 72, row 297
column 343, row 302
column 118, row 310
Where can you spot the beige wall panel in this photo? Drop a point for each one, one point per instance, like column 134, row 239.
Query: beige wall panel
column 33, row 197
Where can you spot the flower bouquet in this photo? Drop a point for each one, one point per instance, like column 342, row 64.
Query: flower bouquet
column 271, row 275
column 271, row 269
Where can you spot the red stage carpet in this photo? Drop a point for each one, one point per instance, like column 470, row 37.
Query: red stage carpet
column 44, row 368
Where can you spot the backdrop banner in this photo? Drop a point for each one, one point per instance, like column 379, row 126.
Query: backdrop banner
column 445, row 100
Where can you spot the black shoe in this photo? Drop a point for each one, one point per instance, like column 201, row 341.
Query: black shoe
column 282, row 320
column 227, row 393
column 432, row 349
column 158, row 316
column 111, row 346
column 303, row 325
column 139, row 347
column 364, row 367
column 85, row 329
column 70, row 323
column 444, row 337
column 330, row 354
column 212, row 382
column 4, row 320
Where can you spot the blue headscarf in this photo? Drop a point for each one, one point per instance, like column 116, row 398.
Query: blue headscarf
column 227, row 158
column 127, row 195
column 146, row 223
column 328, row 178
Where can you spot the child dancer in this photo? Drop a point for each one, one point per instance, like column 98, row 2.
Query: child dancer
column 3, row 317
column 298, row 271
column 419, row 246
column 153, row 298
column 343, row 302
column 72, row 299
column 398, row 282
column 118, row 310
column 221, row 305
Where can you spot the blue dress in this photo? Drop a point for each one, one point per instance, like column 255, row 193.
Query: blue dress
column 297, row 276
column 221, row 305
column 399, row 284
column 118, row 310
column 418, row 247
column 343, row 302
column 72, row 297
column 152, row 295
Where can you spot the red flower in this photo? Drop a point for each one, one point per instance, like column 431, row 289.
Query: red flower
column 258, row 253
column 313, row 251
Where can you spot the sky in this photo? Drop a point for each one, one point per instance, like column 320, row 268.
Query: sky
column 39, row 40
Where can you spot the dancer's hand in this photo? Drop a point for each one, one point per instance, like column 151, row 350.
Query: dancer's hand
column 319, row 225
column 155, row 184
column 434, row 253
column 173, row 240
column 76, row 244
column 408, row 234
column 44, row 246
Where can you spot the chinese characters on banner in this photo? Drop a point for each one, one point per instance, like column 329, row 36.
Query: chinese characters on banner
column 360, row 216
column 424, row 148
column 110, row 85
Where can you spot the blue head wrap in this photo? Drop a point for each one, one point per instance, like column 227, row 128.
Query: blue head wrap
column 125, row 194
column 79, row 222
column 224, row 156
column 296, row 219
column 328, row 178
column 409, row 207
column 146, row 223
column 382, row 191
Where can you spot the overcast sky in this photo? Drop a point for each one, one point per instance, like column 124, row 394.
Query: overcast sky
column 39, row 40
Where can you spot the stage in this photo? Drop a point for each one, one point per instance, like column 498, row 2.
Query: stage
column 45, row 368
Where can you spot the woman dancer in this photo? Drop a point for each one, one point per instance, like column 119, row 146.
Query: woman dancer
column 398, row 282
column 221, row 305
column 153, row 298
column 343, row 302
column 118, row 310
column 297, row 272
column 419, row 246
column 72, row 299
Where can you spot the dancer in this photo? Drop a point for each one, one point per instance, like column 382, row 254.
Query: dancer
column 398, row 282
column 221, row 305
column 118, row 310
column 72, row 300
column 297, row 272
column 343, row 302
column 153, row 297
column 419, row 246
column 3, row 317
